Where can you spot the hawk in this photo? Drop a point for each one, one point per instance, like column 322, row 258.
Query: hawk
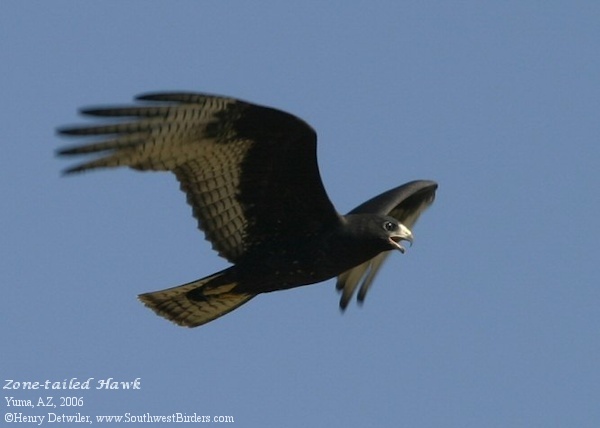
column 250, row 174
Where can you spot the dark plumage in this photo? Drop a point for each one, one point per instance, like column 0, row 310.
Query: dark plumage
column 250, row 174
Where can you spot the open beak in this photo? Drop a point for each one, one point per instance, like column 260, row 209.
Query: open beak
column 403, row 234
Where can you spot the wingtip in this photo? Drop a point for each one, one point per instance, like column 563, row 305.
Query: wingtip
column 64, row 130
column 164, row 96
column 73, row 170
column 149, row 96
column 66, row 151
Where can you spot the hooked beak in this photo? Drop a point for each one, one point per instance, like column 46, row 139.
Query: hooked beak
column 403, row 234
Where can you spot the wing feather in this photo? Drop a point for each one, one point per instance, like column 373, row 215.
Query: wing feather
column 405, row 203
column 249, row 172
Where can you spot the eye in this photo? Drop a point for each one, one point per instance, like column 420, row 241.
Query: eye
column 389, row 226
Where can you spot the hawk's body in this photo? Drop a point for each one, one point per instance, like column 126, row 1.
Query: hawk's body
column 250, row 174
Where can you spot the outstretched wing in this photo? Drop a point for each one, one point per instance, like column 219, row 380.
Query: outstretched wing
column 405, row 203
column 249, row 172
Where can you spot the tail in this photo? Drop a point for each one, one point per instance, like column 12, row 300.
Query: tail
column 198, row 302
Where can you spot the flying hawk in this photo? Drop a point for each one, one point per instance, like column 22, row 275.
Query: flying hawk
column 250, row 174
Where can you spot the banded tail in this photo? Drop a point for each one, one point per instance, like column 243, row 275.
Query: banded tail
column 197, row 302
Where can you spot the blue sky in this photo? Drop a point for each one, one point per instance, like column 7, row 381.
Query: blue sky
column 490, row 319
